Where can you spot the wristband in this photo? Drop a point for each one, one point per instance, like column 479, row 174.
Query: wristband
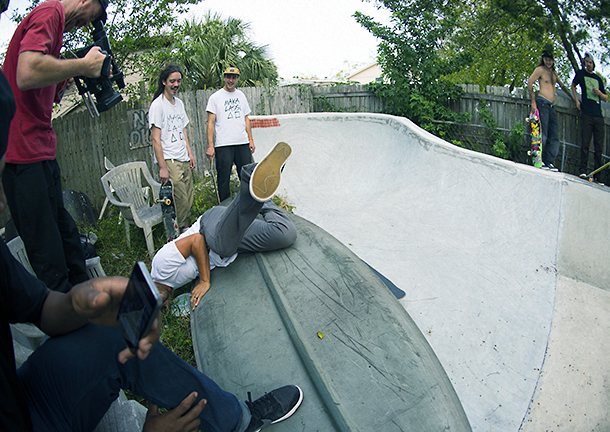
column 251, row 139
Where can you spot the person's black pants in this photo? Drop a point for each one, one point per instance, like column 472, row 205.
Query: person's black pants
column 225, row 157
column 50, row 236
column 591, row 126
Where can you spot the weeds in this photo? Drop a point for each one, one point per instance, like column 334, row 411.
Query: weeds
column 117, row 259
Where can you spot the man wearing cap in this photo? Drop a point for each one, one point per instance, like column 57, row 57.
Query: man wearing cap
column 547, row 77
column 591, row 119
column 32, row 178
column 228, row 112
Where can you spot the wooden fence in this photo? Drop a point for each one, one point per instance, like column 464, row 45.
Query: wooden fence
column 121, row 134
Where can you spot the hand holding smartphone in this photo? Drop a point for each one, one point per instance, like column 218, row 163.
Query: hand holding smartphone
column 140, row 305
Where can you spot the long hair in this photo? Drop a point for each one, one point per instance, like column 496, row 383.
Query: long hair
column 544, row 54
column 164, row 75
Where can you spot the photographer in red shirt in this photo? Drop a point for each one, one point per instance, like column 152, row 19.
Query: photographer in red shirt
column 32, row 177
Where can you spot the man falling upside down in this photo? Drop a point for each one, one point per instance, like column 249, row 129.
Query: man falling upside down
column 226, row 231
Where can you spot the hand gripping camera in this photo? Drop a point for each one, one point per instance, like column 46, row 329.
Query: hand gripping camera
column 105, row 96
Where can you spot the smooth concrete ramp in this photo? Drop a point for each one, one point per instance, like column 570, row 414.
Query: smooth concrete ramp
column 315, row 315
column 504, row 265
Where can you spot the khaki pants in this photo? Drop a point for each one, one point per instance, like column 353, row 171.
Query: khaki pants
column 182, row 180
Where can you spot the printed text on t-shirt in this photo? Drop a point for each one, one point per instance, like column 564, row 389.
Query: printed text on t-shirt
column 233, row 108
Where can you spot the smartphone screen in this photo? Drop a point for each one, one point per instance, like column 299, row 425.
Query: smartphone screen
column 139, row 307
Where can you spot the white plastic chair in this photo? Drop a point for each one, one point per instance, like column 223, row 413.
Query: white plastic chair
column 123, row 187
column 17, row 249
column 108, row 165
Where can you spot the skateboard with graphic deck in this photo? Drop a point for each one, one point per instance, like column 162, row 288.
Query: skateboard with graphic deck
column 166, row 199
column 536, row 132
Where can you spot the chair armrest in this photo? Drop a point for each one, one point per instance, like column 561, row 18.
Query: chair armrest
column 154, row 185
column 156, row 188
column 114, row 202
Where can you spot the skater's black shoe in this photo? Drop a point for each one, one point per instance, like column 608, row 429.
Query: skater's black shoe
column 265, row 178
column 273, row 407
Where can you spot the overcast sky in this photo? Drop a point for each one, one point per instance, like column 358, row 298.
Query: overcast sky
column 310, row 38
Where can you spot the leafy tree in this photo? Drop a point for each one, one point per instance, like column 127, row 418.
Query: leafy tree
column 503, row 39
column 503, row 50
column 144, row 35
column 132, row 25
column 206, row 48
column 409, row 56
column 573, row 23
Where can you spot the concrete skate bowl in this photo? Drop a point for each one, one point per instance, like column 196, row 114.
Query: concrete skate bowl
column 504, row 265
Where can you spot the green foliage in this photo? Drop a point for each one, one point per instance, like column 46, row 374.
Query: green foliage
column 324, row 104
column 176, row 333
column 414, row 86
column 515, row 138
column 499, row 149
column 432, row 44
column 504, row 49
column 574, row 24
column 205, row 48
column 132, row 25
column 146, row 35
column 115, row 257
column 204, row 196
column 503, row 147
column 135, row 25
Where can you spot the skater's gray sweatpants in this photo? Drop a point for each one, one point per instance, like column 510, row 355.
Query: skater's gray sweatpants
column 236, row 228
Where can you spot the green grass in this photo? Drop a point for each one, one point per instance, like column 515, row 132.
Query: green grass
column 117, row 259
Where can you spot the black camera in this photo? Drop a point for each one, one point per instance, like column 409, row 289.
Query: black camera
column 105, row 96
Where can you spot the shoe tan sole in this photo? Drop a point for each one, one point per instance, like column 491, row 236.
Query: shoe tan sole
column 266, row 176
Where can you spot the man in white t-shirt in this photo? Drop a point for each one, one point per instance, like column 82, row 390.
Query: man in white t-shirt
column 167, row 121
column 228, row 112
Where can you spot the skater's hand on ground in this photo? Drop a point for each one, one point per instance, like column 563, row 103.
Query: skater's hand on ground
column 183, row 418
column 198, row 292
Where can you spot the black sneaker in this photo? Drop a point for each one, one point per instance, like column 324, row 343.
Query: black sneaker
column 552, row 167
column 273, row 407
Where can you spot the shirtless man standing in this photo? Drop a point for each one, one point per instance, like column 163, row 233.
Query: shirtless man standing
column 547, row 77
